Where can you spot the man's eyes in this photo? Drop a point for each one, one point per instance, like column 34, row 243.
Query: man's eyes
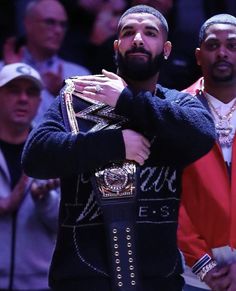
column 232, row 46
column 151, row 33
column 213, row 46
column 146, row 32
column 127, row 33
column 29, row 92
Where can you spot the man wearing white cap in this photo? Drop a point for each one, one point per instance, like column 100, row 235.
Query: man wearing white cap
column 28, row 209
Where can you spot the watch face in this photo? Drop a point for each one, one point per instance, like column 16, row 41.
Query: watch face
column 116, row 178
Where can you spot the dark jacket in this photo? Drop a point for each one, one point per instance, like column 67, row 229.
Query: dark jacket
column 181, row 131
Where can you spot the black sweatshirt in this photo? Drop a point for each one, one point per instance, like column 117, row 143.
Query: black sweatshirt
column 181, row 130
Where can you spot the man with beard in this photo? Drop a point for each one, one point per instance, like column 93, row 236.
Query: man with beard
column 120, row 186
column 207, row 223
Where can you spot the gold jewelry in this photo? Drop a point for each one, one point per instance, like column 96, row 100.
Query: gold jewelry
column 223, row 124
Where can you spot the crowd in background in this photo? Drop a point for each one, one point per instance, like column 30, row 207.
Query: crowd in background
column 86, row 31
column 92, row 25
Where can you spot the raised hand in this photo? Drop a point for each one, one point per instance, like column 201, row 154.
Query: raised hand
column 53, row 81
column 105, row 88
column 10, row 54
column 12, row 202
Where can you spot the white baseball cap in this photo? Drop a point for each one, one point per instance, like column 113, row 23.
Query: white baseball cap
column 19, row 70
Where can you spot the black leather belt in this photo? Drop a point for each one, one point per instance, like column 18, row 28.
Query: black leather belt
column 115, row 187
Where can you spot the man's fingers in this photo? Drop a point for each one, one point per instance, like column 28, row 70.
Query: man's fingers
column 146, row 152
column 139, row 159
column 110, row 74
column 146, row 142
column 220, row 272
column 90, row 79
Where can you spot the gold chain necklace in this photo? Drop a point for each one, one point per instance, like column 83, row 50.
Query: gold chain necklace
column 224, row 128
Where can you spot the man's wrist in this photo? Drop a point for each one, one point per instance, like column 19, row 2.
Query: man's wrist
column 204, row 260
column 207, row 268
column 203, row 266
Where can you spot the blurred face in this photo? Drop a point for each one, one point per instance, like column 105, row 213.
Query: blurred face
column 110, row 13
column 46, row 26
column 164, row 6
column 141, row 46
column 92, row 6
column 217, row 54
column 19, row 101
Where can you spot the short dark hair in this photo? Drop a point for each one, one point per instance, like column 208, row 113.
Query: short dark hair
column 145, row 9
column 216, row 19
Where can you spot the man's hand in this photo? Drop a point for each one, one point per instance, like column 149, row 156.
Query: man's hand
column 218, row 279
column 41, row 188
column 53, row 81
column 137, row 147
column 12, row 202
column 10, row 55
column 105, row 88
column 232, row 277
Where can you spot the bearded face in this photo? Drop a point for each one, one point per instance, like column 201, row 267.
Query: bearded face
column 136, row 68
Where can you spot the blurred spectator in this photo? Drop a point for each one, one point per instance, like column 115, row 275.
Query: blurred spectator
column 7, row 28
column 45, row 25
column 28, row 208
column 92, row 33
column 164, row 6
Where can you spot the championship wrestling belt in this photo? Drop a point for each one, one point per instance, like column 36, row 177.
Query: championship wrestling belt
column 115, row 188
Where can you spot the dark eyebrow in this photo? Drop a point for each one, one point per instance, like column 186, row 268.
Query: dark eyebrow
column 126, row 27
column 232, row 38
column 152, row 28
column 146, row 27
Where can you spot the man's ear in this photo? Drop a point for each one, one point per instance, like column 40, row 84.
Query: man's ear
column 198, row 56
column 115, row 45
column 167, row 49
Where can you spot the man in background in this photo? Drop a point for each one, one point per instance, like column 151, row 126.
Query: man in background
column 207, row 222
column 45, row 23
column 28, row 208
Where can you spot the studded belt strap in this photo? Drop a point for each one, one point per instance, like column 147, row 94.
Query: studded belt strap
column 115, row 188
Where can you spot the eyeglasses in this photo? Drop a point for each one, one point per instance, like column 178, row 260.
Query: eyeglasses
column 52, row 23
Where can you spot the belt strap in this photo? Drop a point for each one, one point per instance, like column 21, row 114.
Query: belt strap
column 115, row 187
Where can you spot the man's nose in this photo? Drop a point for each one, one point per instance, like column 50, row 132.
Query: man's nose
column 138, row 40
column 222, row 52
column 23, row 96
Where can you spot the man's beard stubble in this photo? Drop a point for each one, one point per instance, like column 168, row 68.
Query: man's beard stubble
column 219, row 77
column 137, row 70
